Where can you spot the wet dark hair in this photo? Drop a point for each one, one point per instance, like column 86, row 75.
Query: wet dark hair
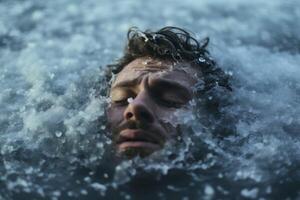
column 177, row 44
column 172, row 43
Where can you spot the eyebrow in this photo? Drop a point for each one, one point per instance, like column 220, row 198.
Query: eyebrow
column 128, row 83
column 152, row 68
column 165, row 83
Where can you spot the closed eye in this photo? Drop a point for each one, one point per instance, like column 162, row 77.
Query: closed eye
column 169, row 94
column 120, row 96
column 169, row 103
column 167, row 99
column 122, row 101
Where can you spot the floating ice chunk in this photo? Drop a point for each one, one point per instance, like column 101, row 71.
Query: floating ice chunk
column 269, row 190
column 98, row 186
column 99, row 145
column 201, row 59
column 87, row 179
column 37, row 15
column 230, row 73
column 105, row 175
column 29, row 170
column 51, row 75
column 83, row 192
column 56, row 193
column 70, row 193
column 209, row 191
column 165, row 169
column 41, row 192
column 171, row 187
column 19, row 182
column 72, row 9
column 250, row 193
column 58, row 134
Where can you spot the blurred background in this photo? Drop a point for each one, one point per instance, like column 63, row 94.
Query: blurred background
column 53, row 142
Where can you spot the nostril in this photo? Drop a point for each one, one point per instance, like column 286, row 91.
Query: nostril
column 129, row 115
column 141, row 115
column 139, row 109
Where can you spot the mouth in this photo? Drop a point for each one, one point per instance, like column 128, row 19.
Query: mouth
column 132, row 142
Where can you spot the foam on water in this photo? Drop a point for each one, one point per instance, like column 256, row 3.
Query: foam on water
column 53, row 141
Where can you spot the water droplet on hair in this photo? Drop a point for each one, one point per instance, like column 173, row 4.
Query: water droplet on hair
column 201, row 59
column 58, row 134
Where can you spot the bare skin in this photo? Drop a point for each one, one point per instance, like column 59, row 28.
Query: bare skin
column 144, row 98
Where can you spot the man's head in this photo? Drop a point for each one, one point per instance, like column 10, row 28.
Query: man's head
column 154, row 80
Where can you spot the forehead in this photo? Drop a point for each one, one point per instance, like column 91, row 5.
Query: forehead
column 154, row 68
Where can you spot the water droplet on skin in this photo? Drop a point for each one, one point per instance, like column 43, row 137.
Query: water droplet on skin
column 146, row 62
column 130, row 99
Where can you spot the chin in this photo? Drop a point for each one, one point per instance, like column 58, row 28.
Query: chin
column 132, row 148
column 132, row 152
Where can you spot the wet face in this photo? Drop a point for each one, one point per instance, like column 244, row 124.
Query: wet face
column 145, row 97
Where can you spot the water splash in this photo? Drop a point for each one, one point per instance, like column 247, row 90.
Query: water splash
column 54, row 143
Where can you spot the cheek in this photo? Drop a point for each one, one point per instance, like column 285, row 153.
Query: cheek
column 114, row 115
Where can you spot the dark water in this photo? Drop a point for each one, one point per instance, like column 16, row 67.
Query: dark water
column 53, row 138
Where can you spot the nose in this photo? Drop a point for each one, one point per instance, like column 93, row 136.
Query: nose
column 140, row 109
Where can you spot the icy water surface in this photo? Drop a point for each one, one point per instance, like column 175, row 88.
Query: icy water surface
column 53, row 138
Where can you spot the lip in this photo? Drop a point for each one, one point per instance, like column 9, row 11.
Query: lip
column 135, row 135
column 137, row 139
